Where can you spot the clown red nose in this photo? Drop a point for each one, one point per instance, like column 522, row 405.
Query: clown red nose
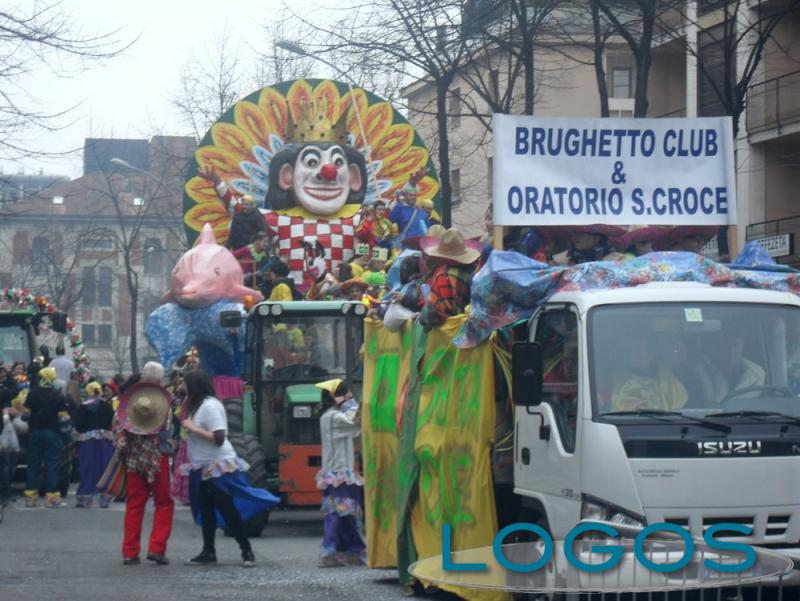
column 328, row 172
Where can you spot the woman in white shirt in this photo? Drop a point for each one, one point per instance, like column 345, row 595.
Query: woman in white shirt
column 342, row 486
column 219, row 489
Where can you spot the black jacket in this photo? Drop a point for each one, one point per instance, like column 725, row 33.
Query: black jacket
column 45, row 405
column 93, row 416
column 244, row 226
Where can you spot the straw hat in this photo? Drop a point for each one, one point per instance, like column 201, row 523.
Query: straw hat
column 434, row 231
column 452, row 247
column 143, row 408
column 47, row 374
column 599, row 229
column 330, row 385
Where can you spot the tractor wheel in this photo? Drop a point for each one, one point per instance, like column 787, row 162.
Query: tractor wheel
column 234, row 409
column 249, row 448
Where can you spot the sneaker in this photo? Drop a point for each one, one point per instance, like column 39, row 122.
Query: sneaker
column 248, row 559
column 54, row 500
column 131, row 561
column 31, row 499
column 204, row 559
column 158, row 558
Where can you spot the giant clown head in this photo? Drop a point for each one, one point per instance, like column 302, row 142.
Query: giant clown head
column 318, row 170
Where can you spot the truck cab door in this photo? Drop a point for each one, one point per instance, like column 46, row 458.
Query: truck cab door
column 546, row 433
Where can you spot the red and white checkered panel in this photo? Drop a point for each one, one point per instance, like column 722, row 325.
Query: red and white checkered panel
column 336, row 235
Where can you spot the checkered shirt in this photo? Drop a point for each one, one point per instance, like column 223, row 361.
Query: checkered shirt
column 336, row 235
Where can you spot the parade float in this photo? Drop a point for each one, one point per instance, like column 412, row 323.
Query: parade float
column 310, row 153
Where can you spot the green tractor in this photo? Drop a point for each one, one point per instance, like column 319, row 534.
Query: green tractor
column 290, row 347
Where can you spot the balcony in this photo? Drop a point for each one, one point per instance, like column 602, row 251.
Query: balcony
column 773, row 108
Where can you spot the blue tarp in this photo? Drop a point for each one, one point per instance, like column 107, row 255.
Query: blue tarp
column 510, row 286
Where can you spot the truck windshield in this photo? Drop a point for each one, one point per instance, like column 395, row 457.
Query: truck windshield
column 14, row 344
column 695, row 359
column 305, row 348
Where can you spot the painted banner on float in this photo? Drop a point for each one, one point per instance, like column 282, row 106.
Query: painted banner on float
column 386, row 364
column 454, row 432
column 579, row 171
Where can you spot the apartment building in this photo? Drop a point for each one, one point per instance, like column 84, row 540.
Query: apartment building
column 80, row 241
column 688, row 47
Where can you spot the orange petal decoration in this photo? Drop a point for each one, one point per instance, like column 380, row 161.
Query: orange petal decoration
column 377, row 123
column 273, row 105
column 201, row 190
column 252, row 120
column 401, row 168
column 396, row 141
column 327, row 100
column 207, row 212
column 223, row 160
column 300, row 99
column 227, row 135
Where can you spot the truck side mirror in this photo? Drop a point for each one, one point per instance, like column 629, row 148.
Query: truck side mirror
column 230, row 319
column 526, row 373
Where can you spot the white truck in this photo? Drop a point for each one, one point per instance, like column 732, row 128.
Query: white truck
column 666, row 402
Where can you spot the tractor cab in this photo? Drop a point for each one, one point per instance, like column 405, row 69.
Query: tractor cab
column 291, row 346
column 17, row 336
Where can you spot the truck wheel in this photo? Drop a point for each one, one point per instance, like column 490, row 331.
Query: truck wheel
column 234, row 409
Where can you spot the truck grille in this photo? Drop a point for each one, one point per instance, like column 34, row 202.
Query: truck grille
column 774, row 526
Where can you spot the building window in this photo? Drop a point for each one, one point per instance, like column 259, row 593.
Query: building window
column 455, row 185
column 153, row 257
column 40, row 254
column 104, row 335
column 104, row 287
column 455, row 108
column 88, row 292
column 97, row 244
column 138, row 201
column 87, row 332
column 621, row 82
column 712, row 58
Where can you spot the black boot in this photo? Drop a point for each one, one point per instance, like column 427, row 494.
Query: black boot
column 206, row 557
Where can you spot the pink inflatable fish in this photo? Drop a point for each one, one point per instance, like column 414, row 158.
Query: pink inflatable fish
column 207, row 273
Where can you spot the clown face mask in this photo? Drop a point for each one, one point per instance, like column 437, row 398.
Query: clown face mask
column 321, row 178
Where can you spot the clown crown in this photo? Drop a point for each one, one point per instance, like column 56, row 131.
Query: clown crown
column 317, row 128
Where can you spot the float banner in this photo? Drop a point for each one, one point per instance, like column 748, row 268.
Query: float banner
column 579, row 171
column 454, row 433
column 386, row 364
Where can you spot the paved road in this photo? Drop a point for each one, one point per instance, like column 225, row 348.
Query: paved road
column 71, row 554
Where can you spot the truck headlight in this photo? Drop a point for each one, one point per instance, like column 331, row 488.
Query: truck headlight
column 593, row 508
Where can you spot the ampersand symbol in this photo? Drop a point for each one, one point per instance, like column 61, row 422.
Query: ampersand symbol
column 618, row 177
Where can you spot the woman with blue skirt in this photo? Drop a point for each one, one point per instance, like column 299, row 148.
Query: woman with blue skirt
column 221, row 495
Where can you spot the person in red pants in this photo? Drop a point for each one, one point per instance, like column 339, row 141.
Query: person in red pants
column 142, row 430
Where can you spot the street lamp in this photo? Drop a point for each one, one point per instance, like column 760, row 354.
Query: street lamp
column 138, row 200
column 296, row 48
column 127, row 165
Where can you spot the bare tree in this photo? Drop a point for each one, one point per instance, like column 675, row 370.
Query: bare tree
column 41, row 37
column 728, row 55
column 212, row 83
column 421, row 39
column 159, row 201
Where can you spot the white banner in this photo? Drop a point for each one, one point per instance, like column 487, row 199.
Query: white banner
column 579, row 171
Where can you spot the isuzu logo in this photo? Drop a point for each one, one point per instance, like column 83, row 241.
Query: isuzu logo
column 730, row 447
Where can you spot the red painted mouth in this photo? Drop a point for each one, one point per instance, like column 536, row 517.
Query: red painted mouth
column 323, row 193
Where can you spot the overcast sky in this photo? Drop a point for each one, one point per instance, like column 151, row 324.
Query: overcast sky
column 129, row 97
